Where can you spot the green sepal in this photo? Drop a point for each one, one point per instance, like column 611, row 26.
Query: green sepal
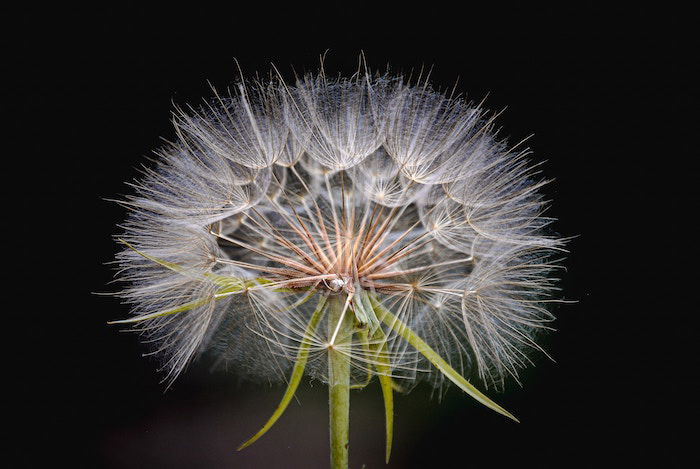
column 229, row 285
column 383, row 367
column 373, row 322
column 377, row 350
column 364, row 313
column 364, row 341
column 450, row 373
column 185, row 307
column 385, row 382
column 297, row 373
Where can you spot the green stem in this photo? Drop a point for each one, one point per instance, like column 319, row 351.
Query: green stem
column 339, row 381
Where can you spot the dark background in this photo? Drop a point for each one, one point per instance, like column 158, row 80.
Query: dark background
column 606, row 94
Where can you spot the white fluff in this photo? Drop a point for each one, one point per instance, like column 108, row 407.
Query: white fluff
column 463, row 253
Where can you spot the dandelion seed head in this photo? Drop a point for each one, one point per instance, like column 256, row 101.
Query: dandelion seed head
column 273, row 194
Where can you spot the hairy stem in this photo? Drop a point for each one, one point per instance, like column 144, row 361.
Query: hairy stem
column 339, row 382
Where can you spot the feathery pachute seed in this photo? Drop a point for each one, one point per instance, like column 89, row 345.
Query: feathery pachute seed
column 342, row 229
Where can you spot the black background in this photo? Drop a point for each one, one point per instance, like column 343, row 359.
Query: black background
column 606, row 94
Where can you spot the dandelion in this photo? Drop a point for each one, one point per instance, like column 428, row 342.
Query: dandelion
column 343, row 229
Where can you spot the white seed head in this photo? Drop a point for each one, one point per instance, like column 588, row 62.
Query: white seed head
column 275, row 194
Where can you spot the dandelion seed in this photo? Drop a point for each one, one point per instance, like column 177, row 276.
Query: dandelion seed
column 341, row 228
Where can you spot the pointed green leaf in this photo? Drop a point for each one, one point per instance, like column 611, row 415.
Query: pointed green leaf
column 358, row 309
column 297, row 373
column 229, row 285
column 168, row 265
column 221, row 280
column 372, row 320
column 383, row 366
column 185, row 307
column 364, row 340
column 385, row 382
column 412, row 338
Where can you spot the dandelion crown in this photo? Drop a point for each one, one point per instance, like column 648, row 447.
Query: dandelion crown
column 342, row 228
